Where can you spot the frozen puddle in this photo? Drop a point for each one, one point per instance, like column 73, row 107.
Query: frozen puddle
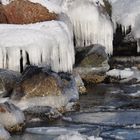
column 108, row 118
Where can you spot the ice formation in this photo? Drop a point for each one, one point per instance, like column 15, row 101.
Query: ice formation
column 127, row 13
column 90, row 24
column 46, row 43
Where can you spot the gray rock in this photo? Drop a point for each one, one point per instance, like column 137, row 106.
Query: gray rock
column 40, row 90
column 92, row 63
column 8, row 79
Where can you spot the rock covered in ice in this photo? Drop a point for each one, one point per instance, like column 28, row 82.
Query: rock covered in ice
column 91, row 24
column 19, row 12
column 11, row 117
column 4, row 135
column 46, row 43
column 43, row 88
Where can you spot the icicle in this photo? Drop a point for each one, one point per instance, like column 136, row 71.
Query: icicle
column 47, row 43
column 90, row 25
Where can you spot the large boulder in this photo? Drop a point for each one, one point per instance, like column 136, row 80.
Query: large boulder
column 41, row 90
column 24, row 12
column 92, row 63
column 11, row 117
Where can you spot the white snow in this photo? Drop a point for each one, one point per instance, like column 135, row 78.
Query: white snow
column 47, row 43
column 127, row 13
column 122, row 74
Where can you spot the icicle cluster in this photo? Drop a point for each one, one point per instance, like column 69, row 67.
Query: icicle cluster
column 47, row 43
column 126, row 13
column 90, row 25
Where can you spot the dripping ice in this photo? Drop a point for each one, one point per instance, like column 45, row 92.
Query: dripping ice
column 127, row 13
column 90, row 24
column 47, row 43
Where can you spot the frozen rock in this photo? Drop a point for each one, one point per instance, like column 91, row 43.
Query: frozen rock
column 11, row 117
column 91, row 23
column 39, row 89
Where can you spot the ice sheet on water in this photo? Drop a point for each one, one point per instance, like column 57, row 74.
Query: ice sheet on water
column 122, row 134
column 121, row 118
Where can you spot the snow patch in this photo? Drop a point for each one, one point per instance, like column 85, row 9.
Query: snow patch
column 122, row 74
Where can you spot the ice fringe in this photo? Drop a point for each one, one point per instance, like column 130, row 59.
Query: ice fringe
column 127, row 13
column 46, row 43
column 90, row 24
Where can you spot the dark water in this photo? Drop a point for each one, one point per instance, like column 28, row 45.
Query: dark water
column 109, row 111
